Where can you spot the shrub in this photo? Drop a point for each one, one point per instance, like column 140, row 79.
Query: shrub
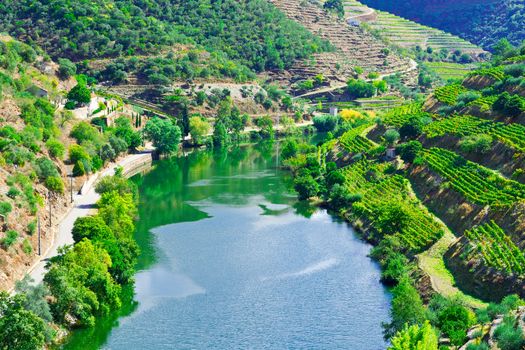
column 511, row 105
column 83, row 131
column 45, row 168
column 290, row 149
column 67, row 68
column 5, row 208
column 55, row 184
column 10, row 238
column 77, row 153
column 27, row 247
column 13, row 192
column 56, row 148
column 31, row 227
column 391, row 136
column 412, row 128
column 479, row 143
column 80, row 94
column 325, row 123
column 508, row 336
column 306, row 187
column 415, row 337
column 409, row 151
column 359, row 88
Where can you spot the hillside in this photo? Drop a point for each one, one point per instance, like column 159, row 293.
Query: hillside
column 438, row 187
column 109, row 28
column 481, row 22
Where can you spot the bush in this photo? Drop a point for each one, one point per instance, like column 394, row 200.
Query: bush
column 67, row 68
column 412, row 128
column 10, row 238
column 45, row 168
column 290, row 149
column 359, row 88
column 306, row 187
column 415, row 337
column 55, row 184
column 409, row 151
column 511, row 105
column 79, row 95
column 56, row 148
column 83, row 131
column 479, row 143
column 27, row 247
column 391, row 136
column 31, row 227
column 325, row 123
column 77, row 153
column 508, row 336
column 5, row 208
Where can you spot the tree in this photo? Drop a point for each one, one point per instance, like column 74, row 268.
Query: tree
column 91, row 227
column 412, row 128
column 20, row 329
column 359, row 88
column 454, row 321
column 290, row 149
column 415, row 337
column 55, row 148
column 199, row 129
column 67, row 68
column 335, row 5
column 479, row 143
column 79, row 94
column 306, row 187
column 325, row 123
column 410, row 151
column 164, row 134
column 407, row 308
column 391, row 136
column 35, row 298
column 391, row 217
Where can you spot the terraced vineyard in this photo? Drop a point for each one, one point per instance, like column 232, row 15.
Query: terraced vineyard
column 512, row 134
column 495, row 73
column 496, row 248
column 448, row 94
column 353, row 46
column 354, row 141
column 402, row 114
column 476, row 183
column 449, row 70
column 420, row 230
column 408, row 34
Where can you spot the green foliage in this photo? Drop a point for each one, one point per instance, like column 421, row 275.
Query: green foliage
column 415, row 337
column 391, row 136
column 9, row 239
column 359, row 88
column 5, row 208
column 79, row 94
column 289, row 149
column 56, row 148
column 335, row 5
column 35, row 298
column 412, row 128
column 45, row 168
column 306, row 187
column 20, row 329
column 448, row 94
column 478, row 143
column 454, row 321
column 511, row 105
column 67, row 68
column 325, row 123
column 407, row 308
column 81, row 284
column 83, row 132
column 164, row 134
column 409, row 151
column 199, row 129
column 509, row 336
column 55, row 184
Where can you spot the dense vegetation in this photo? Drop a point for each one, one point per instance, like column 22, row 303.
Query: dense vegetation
column 82, row 30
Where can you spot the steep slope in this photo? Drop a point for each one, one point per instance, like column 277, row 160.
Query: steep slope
column 83, row 30
column 482, row 22
column 354, row 46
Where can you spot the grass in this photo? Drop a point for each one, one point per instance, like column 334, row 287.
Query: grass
column 431, row 261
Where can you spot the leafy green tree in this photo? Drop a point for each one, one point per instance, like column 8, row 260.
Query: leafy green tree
column 20, row 329
column 409, row 151
column 67, row 68
column 412, row 128
column 325, row 123
column 199, row 129
column 164, row 134
column 35, row 298
column 415, row 337
column 407, row 308
column 306, row 187
column 359, row 88
column 290, row 149
column 79, row 94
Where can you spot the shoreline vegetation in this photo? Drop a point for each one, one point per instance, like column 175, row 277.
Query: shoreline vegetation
column 85, row 280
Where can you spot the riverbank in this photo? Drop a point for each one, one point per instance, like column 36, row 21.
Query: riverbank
column 83, row 204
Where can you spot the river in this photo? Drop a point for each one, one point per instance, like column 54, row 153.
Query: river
column 231, row 260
